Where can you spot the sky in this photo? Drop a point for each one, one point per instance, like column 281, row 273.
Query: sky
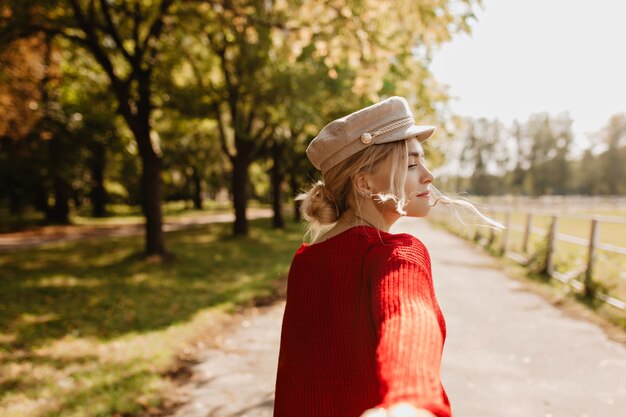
column 529, row 56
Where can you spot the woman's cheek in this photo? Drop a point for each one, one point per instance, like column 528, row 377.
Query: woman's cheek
column 411, row 181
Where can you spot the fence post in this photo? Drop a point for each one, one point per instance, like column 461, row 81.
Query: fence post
column 549, row 269
column 529, row 220
column 505, row 232
column 491, row 238
column 593, row 240
column 492, row 234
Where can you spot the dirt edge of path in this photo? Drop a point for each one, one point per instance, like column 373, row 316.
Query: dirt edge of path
column 563, row 299
column 558, row 297
column 180, row 374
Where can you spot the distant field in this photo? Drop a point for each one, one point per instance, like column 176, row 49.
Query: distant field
column 609, row 268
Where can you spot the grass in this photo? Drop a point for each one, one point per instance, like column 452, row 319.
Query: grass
column 91, row 328
column 608, row 268
column 612, row 321
column 117, row 214
column 611, row 233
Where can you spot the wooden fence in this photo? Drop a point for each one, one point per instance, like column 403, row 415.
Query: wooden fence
column 550, row 237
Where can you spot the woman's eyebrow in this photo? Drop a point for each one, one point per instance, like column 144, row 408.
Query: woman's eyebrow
column 418, row 154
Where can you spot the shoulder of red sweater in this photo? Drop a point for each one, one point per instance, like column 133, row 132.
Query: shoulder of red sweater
column 398, row 247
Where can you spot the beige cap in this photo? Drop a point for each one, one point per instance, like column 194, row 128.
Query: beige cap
column 387, row 121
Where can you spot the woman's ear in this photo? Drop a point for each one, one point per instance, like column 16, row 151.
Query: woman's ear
column 361, row 183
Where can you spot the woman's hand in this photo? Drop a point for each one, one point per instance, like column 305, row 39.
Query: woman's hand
column 401, row 409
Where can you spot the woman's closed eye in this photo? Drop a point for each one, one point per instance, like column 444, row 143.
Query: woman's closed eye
column 415, row 158
column 414, row 163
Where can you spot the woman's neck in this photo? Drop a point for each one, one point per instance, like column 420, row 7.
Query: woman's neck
column 368, row 216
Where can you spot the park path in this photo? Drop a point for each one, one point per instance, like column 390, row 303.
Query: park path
column 62, row 233
column 508, row 353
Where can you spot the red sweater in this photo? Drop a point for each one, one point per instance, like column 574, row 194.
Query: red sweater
column 362, row 328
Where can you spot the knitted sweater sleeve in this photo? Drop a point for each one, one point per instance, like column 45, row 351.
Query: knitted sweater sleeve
column 410, row 339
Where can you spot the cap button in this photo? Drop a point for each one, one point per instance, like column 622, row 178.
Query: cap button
column 366, row 138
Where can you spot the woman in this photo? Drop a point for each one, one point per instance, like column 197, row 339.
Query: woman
column 362, row 332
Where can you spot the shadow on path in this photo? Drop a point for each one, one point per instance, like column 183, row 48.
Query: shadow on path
column 64, row 233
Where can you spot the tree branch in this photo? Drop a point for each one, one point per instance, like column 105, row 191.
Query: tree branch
column 262, row 142
column 112, row 30
column 221, row 52
column 30, row 30
column 136, row 20
column 73, row 38
column 222, row 133
column 251, row 116
column 91, row 42
column 92, row 12
column 198, row 75
column 154, row 32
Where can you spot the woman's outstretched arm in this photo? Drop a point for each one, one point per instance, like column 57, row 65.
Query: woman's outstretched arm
column 410, row 339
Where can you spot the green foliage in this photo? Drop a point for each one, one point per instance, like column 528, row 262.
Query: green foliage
column 537, row 262
column 93, row 325
column 541, row 161
column 276, row 72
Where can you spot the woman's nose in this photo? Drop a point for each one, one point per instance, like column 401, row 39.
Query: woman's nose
column 427, row 176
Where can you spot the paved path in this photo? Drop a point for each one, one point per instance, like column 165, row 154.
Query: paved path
column 237, row 378
column 62, row 233
column 508, row 353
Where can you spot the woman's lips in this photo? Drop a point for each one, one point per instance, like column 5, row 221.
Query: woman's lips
column 423, row 194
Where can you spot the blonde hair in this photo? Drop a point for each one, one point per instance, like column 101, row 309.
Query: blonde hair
column 325, row 202
column 328, row 199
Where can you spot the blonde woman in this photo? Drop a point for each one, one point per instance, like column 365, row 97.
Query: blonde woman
column 362, row 332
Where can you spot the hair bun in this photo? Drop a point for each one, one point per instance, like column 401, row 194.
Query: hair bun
column 318, row 205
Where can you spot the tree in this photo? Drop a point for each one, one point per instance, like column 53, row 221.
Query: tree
column 587, row 179
column 613, row 159
column 21, row 79
column 542, row 150
column 559, row 167
column 272, row 55
column 483, row 157
column 516, row 181
column 254, row 62
column 42, row 157
column 123, row 37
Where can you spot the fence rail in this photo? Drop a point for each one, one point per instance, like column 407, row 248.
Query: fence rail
column 551, row 236
column 573, row 239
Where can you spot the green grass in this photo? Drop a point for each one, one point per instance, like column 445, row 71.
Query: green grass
column 120, row 215
column 611, row 233
column 608, row 267
column 90, row 328
column 117, row 214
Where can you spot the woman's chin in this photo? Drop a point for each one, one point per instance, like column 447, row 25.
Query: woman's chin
column 421, row 211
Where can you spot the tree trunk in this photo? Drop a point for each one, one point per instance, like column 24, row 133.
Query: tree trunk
column 240, row 195
column 77, row 197
column 293, row 182
column 40, row 197
column 197, row 190
column 15, row 193
column 61, row 210
column 151, row 181
column 15, row 200
column 98, row 192
column 277, row 182
column 13, row 190
column 151, row 195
